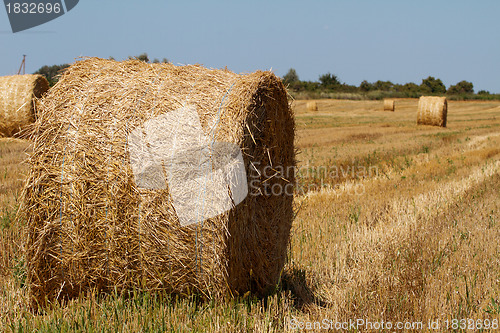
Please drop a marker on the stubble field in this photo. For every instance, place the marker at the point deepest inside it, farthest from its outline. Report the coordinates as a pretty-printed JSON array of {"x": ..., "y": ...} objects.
[{"x": 395, "y": 222}]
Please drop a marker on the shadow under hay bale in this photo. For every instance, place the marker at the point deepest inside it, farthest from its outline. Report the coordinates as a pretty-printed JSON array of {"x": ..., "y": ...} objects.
[
  {"x": 312, "y": 106},
  {"x": 91, "y": 226},
  {"x": 389, "y": 105},
  {"x": 18, "y": 94},
  {"x": 432, "y": 110}
]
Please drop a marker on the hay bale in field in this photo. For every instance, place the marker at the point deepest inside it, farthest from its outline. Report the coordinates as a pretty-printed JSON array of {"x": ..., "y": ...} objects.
[
  {"x": 389, "y": 105},
  {"x": 432, "y": 110},
  {"x": 101, "y": 218},
  {"x": 17, "y": 101},
  {"x": 312, "y": 106}
]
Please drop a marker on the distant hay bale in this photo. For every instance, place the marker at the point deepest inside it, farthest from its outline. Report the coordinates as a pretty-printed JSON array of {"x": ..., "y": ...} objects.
[
  {"x": 94, "y": 224},
  {"x": 389, "y": 105},
  {"x": 312, "y": 106},
  {"x": 17, "y": 101},
  {"x": 432, "y": 110}
]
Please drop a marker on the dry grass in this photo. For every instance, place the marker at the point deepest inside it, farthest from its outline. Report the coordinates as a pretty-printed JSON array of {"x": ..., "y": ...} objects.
[{"x": 415, "y": 241}]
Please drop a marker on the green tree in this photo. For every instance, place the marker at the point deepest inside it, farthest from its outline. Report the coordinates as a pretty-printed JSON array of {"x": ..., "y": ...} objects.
[
  {"x": 329, "y": 80},
  {"x": 366, "y": 86},
  {"x": 410, "y": 89},
  {"x": 433, "y": 86},
  {"x": 157, "y": 61},
  {"x": 304, "y": 86},
  {"x": 344, "y": 87},
  {"x": 462, "y": 87},
  {"x": 290, "y": 77},
  {"x": 142, "y": 57},
  {"x": 383, "y": 85},
  {"x": 52, "y": 73}
]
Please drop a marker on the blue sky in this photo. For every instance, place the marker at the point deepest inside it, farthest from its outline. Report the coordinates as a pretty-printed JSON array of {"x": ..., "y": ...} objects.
[{"x": 401, "y": 40}]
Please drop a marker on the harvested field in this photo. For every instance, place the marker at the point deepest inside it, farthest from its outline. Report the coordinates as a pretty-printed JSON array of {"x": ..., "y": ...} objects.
[{"x": 395, "y": 222}]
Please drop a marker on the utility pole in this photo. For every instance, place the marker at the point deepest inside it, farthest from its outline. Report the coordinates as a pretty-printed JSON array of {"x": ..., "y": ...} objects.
[{"x": 23, "y": 65}]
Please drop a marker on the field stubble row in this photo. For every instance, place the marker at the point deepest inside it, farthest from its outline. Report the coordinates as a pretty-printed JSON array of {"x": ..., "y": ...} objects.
[{"x": 417, "y": 243}]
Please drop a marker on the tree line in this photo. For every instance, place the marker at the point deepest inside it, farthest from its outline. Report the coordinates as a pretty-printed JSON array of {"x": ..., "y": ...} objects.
[{"x": 329, "y": 85}]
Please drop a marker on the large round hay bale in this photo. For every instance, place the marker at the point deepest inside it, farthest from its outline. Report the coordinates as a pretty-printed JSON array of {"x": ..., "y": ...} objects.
[
  {"x": 312, "y": 106},
  {"x": 94, "y": 223},
  {"x": 432, "y": 110},
  {"x": 17, "y": 101},
  {"x": 389, "y": 105}
]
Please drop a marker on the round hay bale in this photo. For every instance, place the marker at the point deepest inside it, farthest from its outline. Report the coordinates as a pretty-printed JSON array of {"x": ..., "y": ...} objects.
[
  {"x": 312, "y": 106},
  {"x": 17, "y": 101},
  {"x": 94, "y": 224},
  {"x": 432, "y": 110},
  {"x": 389, "y": 105}
]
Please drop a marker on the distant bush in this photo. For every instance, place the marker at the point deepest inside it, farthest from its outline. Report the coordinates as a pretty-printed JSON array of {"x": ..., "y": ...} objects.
[
  {"x": 142, "y": 57},
  {"x": 366, "y": 86},
  {"x": 329, "y": 81},
  {"x": 462, "y": 87},
  {"x": 52, "y": 73},
  {"x": 291, "y": 77},
  {"x": 432, "y": 85}
]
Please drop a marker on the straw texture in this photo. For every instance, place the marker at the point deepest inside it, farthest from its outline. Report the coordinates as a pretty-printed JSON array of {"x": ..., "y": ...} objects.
[
  {"x": 92, "y": 228},
  {"x": 389, "y": 105},
  {"x": 312, "y": 106},
  {"x": 432, "y": 110},
  {"x": 18, "y": 95}
]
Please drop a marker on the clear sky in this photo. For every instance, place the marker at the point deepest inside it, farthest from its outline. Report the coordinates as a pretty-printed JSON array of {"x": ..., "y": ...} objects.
[{"x": 400, "y": 40}]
